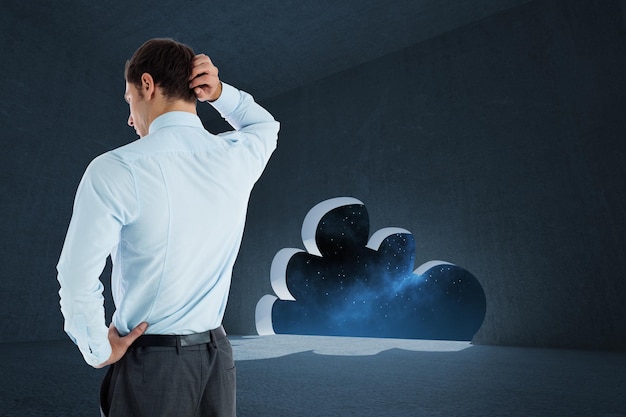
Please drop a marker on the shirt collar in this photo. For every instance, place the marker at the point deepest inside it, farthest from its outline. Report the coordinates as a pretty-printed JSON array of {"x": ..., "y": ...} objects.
[{"x": 175, "y": 118}]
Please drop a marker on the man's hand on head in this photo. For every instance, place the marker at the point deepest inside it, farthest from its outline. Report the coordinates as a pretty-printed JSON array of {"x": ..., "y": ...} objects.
[
  {"x": 120, "y": 344},
  {"x": 204, "y": 79}
]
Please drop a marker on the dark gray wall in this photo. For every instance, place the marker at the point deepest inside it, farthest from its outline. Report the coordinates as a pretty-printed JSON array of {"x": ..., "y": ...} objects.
[
  {"x": 55, "y": 117},
  {"x": 500, "y": 145}
]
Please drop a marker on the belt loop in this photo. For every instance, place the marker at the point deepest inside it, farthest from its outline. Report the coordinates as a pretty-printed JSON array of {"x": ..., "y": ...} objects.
[
  {"x": 213, "y": 341},
  {"x": 178, "y": 346}
]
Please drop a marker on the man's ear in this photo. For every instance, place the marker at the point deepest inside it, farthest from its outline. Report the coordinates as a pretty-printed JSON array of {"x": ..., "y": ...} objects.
[{"x": 147, "y": 85}]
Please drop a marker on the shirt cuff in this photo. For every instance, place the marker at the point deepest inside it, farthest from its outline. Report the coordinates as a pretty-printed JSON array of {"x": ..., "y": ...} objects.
[
  {"x": 228, "y": 101},
  {"x": 93, "y": 342},
  {"x": 98, "y": 354}
]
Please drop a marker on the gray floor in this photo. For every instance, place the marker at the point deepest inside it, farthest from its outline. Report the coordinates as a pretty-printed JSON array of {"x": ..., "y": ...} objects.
[{"x": 333, "y": 376}]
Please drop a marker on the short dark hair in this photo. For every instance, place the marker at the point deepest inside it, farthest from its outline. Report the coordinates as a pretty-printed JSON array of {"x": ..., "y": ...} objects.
[{"x": 169, "y": 64}]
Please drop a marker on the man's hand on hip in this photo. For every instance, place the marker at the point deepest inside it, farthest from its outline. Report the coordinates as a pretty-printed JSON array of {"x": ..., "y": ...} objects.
[{"x": 120, "y": 344}]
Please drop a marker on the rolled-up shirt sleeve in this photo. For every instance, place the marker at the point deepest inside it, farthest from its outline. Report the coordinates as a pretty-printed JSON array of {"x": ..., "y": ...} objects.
[{"x": 105, "y": 201}]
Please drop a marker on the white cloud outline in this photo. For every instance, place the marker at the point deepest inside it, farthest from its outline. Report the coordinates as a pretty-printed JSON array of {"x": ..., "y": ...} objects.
[
  {"x": 278, "y": 269},
  {"x": 313, "y": 217}
]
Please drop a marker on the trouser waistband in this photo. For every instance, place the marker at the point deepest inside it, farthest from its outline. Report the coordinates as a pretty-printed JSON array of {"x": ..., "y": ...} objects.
[{"x": 179, "y": 340}]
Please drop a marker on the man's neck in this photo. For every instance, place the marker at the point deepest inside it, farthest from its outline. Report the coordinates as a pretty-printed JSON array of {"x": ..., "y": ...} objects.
[{"x": 166, "y": 106}]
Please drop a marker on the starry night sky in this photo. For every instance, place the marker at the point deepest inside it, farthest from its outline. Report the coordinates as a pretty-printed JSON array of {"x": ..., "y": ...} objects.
[{"x": 355, "y": 290}]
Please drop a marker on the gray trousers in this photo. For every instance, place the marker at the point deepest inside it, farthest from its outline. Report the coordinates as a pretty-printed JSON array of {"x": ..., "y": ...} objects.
[{"x": 188, "y": 381}]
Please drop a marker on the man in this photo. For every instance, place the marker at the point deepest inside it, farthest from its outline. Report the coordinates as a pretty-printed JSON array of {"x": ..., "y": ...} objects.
[{"x": 170, "y": 210}]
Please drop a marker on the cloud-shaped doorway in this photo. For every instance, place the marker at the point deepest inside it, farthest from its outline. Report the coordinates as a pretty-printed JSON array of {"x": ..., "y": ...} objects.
[{"x": 345, "y": 284}]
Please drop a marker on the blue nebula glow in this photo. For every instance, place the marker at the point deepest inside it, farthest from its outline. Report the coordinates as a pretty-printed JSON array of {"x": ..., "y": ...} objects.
[{"x": 353, "y": 290}]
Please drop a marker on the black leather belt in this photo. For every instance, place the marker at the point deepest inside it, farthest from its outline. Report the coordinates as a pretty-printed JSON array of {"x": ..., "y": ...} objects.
[{"x": 179, "y": 340}]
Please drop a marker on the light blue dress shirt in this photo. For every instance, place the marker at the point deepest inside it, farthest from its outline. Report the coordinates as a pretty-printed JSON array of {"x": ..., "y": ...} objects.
[{"x": 170, "y": 209}]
